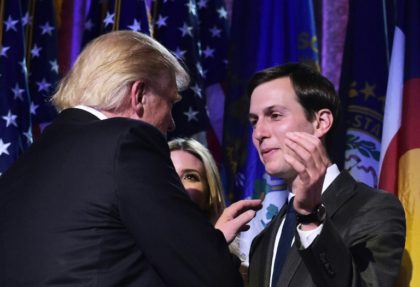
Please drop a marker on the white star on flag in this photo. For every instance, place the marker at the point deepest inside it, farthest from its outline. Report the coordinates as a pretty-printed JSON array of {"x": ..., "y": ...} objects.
[
  {"x": 4, "y": 50},
  {"x": 89, "y": 25},
  {"x": 197, "y": 90},
  {"x": 46, "y": 28},
  {"x": 22, "y": 64},
  {"x": 208, "y": 52},
  {"x": 215, "y": 32},
  {"x": 3, "y": 147},
  {"x": 43, "y": 85},
  {"x": 35, "y": 51},
  {"x": 54, "y": 66},
  {"x": 28, "y": 135},
  {"x": 33, "y": 108},
  {"x": 17, "y": 92},
  {"x": 222, "y": 13},
  {"x": 185, "y": 29},
  {"x": 26, "y": 20},
  {"x": 10, "y": 24},
  {"x": 191, "y": 114},
  {"x": 10, "y": 119},
  {"x": 179, "y": 53},
  {"x": 136, "y": 26},
  {"x": 192, "y": 8},
  {"x": 161, "y": 21},
  {"x": 109, "y": 19},
  {"x": 201, "y": 70},
  {"x": 202, "y": 4}
]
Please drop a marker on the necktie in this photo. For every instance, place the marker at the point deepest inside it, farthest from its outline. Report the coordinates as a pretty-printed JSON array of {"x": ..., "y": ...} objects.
[{"x": 285, "y": 242}]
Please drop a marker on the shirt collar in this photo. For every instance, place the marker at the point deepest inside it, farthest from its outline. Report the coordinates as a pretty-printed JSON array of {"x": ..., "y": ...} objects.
[
  {"x": 93, "y": 111},
  {"x": 331, "y": 174}
]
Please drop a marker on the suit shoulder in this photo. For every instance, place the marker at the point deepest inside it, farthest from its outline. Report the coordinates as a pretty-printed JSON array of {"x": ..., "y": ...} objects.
[
  {"x": 380, "y": 196},
  {"x": 133, "y": 128}
]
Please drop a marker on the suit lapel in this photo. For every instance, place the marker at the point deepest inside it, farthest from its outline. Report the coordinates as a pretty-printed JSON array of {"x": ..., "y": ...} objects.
[
  {"x": 339, "y": 191},
  {"x": 290, "y": 267},
  {"x": 263, "y": 245}
]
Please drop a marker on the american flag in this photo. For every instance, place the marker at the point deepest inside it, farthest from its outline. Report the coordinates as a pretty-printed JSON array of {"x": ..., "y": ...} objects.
[
  {"x": 15, "y": 124},
  {"x": 42, "y": 60},
  {"x": 195, "y": 31},
  {"x": 112, "y": 15}
]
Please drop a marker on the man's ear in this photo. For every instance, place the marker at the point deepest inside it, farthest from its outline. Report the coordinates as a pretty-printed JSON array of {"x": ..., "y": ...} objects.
[
  {"x": 137, "y": 97},
  {"x": 323, "y": 122}
]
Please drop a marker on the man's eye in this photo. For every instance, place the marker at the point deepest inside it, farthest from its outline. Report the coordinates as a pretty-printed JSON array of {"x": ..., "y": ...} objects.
[{"x": 275, "y": 116}]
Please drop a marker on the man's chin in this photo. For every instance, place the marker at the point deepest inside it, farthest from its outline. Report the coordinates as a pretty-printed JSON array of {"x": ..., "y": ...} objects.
[{"x": 284, "y": 173}]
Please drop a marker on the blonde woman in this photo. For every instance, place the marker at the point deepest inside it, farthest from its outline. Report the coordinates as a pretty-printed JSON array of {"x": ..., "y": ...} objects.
[
  {"x": 198, "y": 172},
  {"x": 199, "y": 175}
]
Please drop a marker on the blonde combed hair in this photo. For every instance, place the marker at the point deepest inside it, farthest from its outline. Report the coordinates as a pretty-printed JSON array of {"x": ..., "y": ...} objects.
[
  {"x": 107, "y": 67},
  {"x": 216, "y": 200}
]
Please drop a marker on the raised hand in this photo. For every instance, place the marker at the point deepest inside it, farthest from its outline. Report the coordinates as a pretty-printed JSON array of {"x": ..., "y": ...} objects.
[
  {"x": 308, "y": 157},
  {"x": 235, "y": 217}
]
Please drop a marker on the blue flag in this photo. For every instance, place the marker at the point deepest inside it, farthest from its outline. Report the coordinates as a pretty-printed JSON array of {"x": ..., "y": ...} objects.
[
  {"x": 15, "y": 124},
  {"x": 363, "y": 88},
  {"x": 269, "y": 33}
]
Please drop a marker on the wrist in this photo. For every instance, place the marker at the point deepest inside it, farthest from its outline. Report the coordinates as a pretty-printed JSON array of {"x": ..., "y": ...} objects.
[
  {"x": 315, "y": 218},
  {"x": 308, "y": 226}
]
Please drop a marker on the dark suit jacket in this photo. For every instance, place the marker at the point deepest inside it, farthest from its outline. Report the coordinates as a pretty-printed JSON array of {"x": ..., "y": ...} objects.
[
  {"x": 361, "y": 243},
  {"x": 98, "y": 203}
]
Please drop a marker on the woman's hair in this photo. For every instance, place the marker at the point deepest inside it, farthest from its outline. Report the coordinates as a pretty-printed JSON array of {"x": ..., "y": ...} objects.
[
  {"x": 216, "y": 201},
  {"x": 105, "y": 70}
]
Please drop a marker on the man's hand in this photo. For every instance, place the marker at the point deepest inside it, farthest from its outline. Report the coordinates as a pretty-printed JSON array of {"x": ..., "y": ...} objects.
[
  {"x": 235, "y": 217},
  {"x": 310, "y": 160}
]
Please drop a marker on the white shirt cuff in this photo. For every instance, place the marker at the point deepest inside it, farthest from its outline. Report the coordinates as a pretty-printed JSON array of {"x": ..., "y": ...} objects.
[{"x": 308, "y": 236}]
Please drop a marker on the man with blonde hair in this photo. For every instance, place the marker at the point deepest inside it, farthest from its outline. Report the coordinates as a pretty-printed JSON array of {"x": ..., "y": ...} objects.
[{"x": 96, "y": 201}]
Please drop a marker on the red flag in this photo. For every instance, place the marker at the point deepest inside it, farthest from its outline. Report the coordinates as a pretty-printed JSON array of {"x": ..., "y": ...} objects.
[{"x": 401, "y": 134}]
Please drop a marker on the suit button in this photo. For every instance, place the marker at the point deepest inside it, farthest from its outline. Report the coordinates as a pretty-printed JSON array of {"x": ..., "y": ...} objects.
[{"x": 327, "y": 266}]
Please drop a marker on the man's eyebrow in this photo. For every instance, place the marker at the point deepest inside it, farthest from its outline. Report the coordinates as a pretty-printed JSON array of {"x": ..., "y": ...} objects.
[{"x": 270, "y": 108}]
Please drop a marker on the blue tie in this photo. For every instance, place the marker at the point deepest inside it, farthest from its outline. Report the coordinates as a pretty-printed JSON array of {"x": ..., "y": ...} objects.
[{"x": 285, "y": 242}]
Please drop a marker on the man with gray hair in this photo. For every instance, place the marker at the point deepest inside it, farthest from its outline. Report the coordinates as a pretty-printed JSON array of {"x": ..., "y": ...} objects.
[{"x": 96, "y": 201}]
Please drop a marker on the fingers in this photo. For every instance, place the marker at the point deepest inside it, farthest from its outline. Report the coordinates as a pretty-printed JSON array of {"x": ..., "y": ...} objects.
[
  {"x": 307, "y": 153},
  {"x": 231, "y": 227},
  {"x": 243, "y": 211},
  {"x": 243, "y": 205},
  {"x": 244, "y": 217},
  {"x": 307, "y": 156},
  {"x": 306, "y": 145}
]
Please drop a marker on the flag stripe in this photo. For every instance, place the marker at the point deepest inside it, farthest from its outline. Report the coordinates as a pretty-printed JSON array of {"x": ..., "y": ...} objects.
[
  {"x": 392, "y": 118},
  {"x": 410, "y": 117}
]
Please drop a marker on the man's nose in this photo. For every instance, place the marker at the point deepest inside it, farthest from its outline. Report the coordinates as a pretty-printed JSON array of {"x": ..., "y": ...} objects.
[{"x": 260, "y": 131}]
